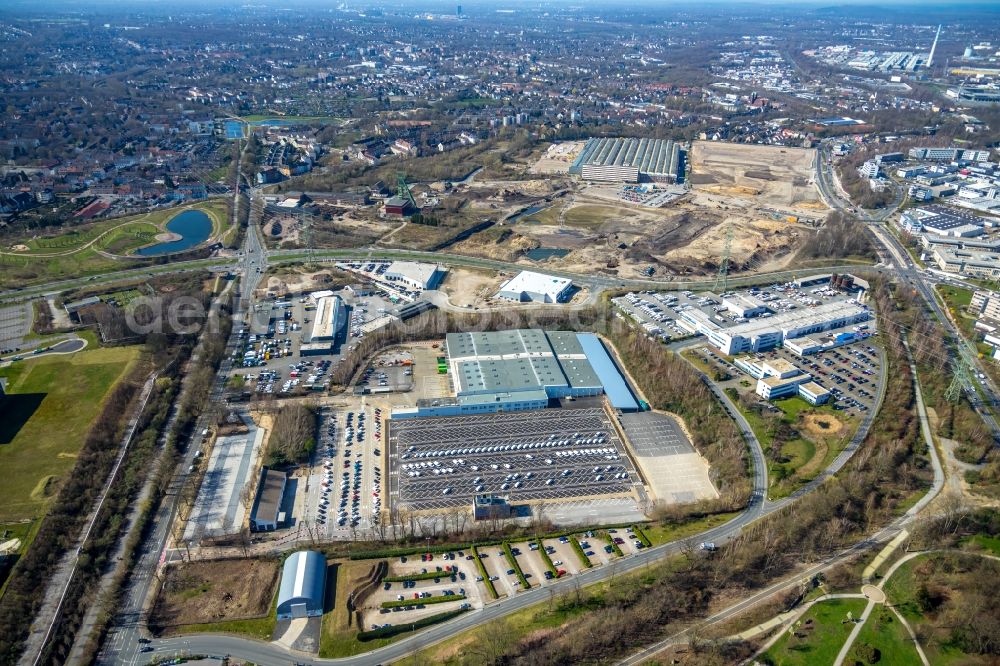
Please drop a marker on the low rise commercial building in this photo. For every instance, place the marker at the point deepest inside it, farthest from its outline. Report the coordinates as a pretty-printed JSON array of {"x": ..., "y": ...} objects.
[
  {"x": 266, "y": 514},
  {"x": 504, "y": 371},
  {"x": 967, "y": 262},
  {"x": 942, "y": 221},
  {"x": 330, "y": 319},
  {"x": 766, "y": 333},
  {"x": 303, "y": 585},
  {"x": 415, "y": 275},
  {"x": 528, "y": 286},
  {"x": 745, "y": 306},
  {"x": 778, "y": 378}
]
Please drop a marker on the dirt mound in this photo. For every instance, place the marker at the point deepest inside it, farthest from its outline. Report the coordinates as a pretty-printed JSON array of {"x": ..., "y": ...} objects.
[{"x": 821, "y": 424}]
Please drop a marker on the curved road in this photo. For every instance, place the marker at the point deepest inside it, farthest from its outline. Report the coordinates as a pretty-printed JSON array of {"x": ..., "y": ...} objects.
[
  {"x": 266, "y": 653},
  {"x": 70, "y": 346}
]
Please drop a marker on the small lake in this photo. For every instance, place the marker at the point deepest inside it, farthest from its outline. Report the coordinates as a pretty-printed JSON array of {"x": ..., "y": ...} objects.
[
  {"x": 527, "y": 212},
  {"x": 543, "y": 253},
  {"x": 193, "y": 227}
]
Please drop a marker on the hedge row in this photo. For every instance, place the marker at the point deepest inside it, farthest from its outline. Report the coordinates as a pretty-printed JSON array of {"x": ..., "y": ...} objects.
[
  {"x": 396, "y": 629},
  {"x": 423, "y": 602},
  {"x": 516, "y": 566},
  {"x": 642, "y": 536},
  {"x": 447, "y": 573},
  {"x": 485, "y": 574},
  {"x": 579, "y": 552},
  {"x": 545, "y": 557},
  {"x": 614, "y": 546},
  {"x": 455, "y": 547}
]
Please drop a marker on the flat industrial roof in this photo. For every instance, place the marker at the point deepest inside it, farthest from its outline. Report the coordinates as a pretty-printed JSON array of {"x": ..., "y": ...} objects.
[
  {"x": 793, "y": 319},
  {"x": 536, "y": 283},
  {"x": 519, "y": 360},
  {"x": 412, "y": 270},
  {"x": 269, "y": 497}
]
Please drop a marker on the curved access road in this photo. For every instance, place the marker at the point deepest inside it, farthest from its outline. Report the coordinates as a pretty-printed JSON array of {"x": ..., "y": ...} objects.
[
  {"x": 70, "y": 346},
  {"x": 884, "y": 535}
]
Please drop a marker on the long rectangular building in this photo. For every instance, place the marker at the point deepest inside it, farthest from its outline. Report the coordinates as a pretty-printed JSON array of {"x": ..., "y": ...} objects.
[
  {"x": 630, "y": 160},
  {"x": 329, "y": 319},
  {"x": 767, "y": 333}
]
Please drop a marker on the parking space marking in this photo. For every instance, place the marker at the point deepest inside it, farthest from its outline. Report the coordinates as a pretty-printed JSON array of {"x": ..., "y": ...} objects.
[{"x": 553, "y": 454}]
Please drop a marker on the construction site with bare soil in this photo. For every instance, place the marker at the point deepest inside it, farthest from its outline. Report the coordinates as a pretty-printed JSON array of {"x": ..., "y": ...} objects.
[{"x": 758, "y": 200}]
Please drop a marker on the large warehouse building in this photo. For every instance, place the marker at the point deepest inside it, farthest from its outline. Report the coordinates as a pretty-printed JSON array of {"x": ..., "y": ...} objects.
[
  {"x": 630, "y": 160},
  {"x": 502, "y": 371},
  {"x": 531, "y": 287},
  {"x": 766, "y": 333},
  {"x": 303, "y": 585}
]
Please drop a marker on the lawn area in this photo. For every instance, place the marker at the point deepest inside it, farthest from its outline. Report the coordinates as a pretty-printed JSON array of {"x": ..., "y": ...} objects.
[
  {"x": 260, "y": 628},
  {"x": 884, "y": 632},
  {"x": 50, "y": 406},
  {"x": 23, "y": 531},
  {"x": 990, "y": 544},
  {"x": 78, "y": 251},
  {"x": 957, "y": 300},
  {"x": 818, "y": 636},
  {"x": 660, "y": 534},
  {"x": 586, "y": 216},
  {"x": 339, "y": 636},
  {"x": 822, "y": 434},
  {"x": 902, "y": 591}
]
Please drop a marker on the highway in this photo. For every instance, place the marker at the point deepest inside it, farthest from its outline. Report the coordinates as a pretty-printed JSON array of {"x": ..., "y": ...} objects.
[
  {"x": 904, "y": 268},
  {"x": 122, "y": 646}
]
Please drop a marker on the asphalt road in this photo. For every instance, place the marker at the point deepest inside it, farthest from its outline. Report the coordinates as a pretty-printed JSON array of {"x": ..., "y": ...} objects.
[
  {"x": 264, "y": 653},
  {"x": 70, "y": 346},
  {"x": 904, "y": 268}
]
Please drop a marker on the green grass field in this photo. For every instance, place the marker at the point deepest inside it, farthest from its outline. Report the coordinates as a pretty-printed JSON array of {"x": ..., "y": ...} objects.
[
  {"x": 818, "y": 636},
  {"x": 884, "y": 632},
  {"x": 51, "y": 404},
  {"x": 660, "y": 534},
  {"x": 78, "y": 251},
  {"x": 901, "y": 591},
  {"x": 957, "y": 301}
]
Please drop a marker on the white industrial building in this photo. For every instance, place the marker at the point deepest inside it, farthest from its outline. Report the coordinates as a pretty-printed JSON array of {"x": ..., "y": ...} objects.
[
  {"x": 767, "y": 333},
  {"x": 777, "y": 378},
  {"x": 330, "y": 317},
  {"x": 415, "y": 275},
  {"x": 528, "y": 286},
  {"x": 303, "y": 585},
  {"x": 941, "y": 221},
  {"x": 745, "y": 306}
]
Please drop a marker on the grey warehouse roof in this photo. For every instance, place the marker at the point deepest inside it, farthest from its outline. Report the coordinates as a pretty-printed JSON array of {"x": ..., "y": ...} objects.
[{"x": 518, "y": 360}]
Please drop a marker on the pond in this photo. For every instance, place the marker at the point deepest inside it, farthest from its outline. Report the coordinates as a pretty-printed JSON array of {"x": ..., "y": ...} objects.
[
  {"x": 543, "y": 253},
  {"x": 527, "y": 212},
  {"x": 193, "y": 227}
]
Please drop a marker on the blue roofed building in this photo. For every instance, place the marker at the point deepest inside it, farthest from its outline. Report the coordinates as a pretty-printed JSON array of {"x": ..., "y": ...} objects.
[
  {"x": 303, "y": 585},
  {"x": 615, "y": 387}
]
